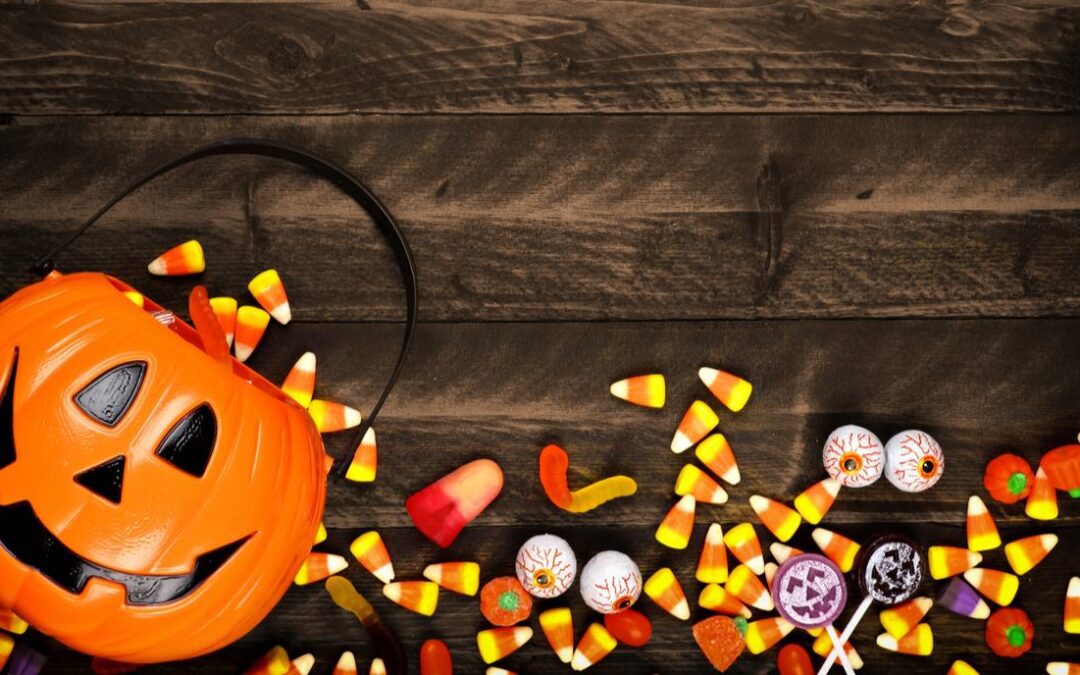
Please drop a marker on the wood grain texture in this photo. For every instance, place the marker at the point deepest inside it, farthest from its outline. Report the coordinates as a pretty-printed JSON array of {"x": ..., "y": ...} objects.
[
  {"x": 569, "y": 218},
  {"x": 527, "y": 56},
  {"x": 503, "y": 390}
]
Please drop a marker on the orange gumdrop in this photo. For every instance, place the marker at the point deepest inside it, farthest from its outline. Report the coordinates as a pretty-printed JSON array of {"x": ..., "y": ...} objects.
[
  {"x": 719, "y": 640},
  {"x": 504, "y": 601},
  {"x": 793, "y": 660},
  {"x": 629, "y": 627},
  {"x": 553, "y": 465}
]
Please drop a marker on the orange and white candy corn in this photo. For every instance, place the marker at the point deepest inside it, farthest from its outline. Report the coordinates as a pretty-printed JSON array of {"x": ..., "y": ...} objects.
[
  {"x": 300, "y": 382},
  {"x": 498, "y": 643},
  {"x": 698, "y": 421},
  {"x": 498, "y": 671},
  {"x": 1062, "y": 668},
  {"x": 269, "y": 292},
  {"x": 781, "y": 552},
  {"x": 823, "y": 646},
  {"x": 764, "y": 633},
  {"x": 836, "y": 548},
  {"x": 1072, "y": 607},
  {"x": 558, "y": 627},
  {"x": 665, "y": 590},
  {"x": 815, "y": 501},
  {"x": 1024, "y": 554},
  {"x": 251, "y": 323},
  {"x": 716, "y": 598},
  {"x": 302, "y": 665},
  {"x": 370, "y": 551},
  {"x": 961, "y": 667},
  {"x": 224, "y": 309},
  {"x": 459, "y": 577},
  {"x": 746, "y": 587},
  {"x": 715, "y": 453},
  {"x": 11, "y": 622},
  {"x": 712, "y": 565},
  {"x": 330, "y": 417},
  {"x": 187, "y": 258},
  {"x": 1042, "y": 502},
  {"x": 919, "y": 642},
  {"x": 781, "y": 521},
  {"x": 677, "y": 525},
  {"x": 377, "y": 667},
  {"x": 770, "y": 572},
  {"x": 982, "y": 533},
  {"x": 365, "y": 461},
  {"x": 898, "y": 621},
  {"x": 996, "y": 586},
  {"x": 595, "y": 644},
  {"x": 421, "y": 597},
  {"x": 274, "y": 662},
  {"x": 319, "y": 566},
  {"x": 729, "y": 389},
  {"x": 346, "y": 665},
  {"x": 647, "y": 391},
  {"x": 743, "y": 543},
  {"x": 700, "y": 485},
  {"x": 948, "y": 561},
  {"x": 320, "y": 534}
]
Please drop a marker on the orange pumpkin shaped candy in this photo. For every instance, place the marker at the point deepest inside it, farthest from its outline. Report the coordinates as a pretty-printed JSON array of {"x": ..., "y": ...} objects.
[
  {"x": 1062, "y": 466},
  {"x": 1008, "y": 478},
  {"x": 1009, "y": 632}
]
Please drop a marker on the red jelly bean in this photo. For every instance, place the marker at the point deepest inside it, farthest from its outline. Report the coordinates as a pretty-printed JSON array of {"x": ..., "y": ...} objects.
[
  {"x": 793, "y": 660},
  {"x": 435, "y": 658},
  {"x": 629, "y": 627}
]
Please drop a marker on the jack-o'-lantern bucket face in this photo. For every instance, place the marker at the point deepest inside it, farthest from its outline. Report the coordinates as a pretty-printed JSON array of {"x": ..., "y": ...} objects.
[{"x": 155, "y": 503}]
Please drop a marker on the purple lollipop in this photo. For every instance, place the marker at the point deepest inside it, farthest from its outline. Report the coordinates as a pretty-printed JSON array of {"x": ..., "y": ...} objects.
[{"x": 809, "y": 591}]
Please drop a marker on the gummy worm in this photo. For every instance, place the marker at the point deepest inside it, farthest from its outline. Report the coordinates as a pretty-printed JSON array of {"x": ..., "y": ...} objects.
[{"x": 554, "y": 463}]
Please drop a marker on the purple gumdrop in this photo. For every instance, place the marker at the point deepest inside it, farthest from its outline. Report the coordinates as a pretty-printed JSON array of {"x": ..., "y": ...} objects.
[{"x": 961, "y": 598}]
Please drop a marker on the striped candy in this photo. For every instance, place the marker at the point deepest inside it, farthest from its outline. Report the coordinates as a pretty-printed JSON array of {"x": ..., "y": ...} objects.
[
  {"x": 982, "y": 533},
  {"x": 898, "y": 621},
  {"x": 302, "y": 665},
  {"x": 300, "y": 382},
  {"x": 764, "y": 633},
  {"x": 558, "y": 627},
  {"x": 645, "y": 390},
  {"x": 186, "y": 258},
  {"x": 731, "y": 390},
  {"x": 948, "y": 561},
  {"x": 594, "y": 646},
  {"x": 1042, "y": 502},
  {"x": 330, "y": 417},
  {"x": 698, "y": 421},
  {"x": 962, "y": 599},
  {"x": 498, "y": 643},
  {"x": 365, "y": 460},
  {"x": 836, "y": 548},
  {"x": 781, "y": 552},
  {"x": 746, "y": 587},
  {"x": 665, "y": 591},
  {"x": 743, "y": 543},
  {"x": 421, "y": 597},
  {"x": 319, "y": 566},
  {"x": 1072, "y": 606},
  {"x": 715, "y": 453},
  {"x": 712, "y": 566},
  {"x": 251, "y": 323},
  {"x": 699, "y": 485},
  {"x": 274, "y": 662},
  {"x": 459, "y": 577},
  {"x": 269, "y": 292},
  {"x": 346, "y": 664},
  {"x": 1024, "y": 554},
  {"x": 370, "y": 551},
  {"x": 823, "y": 646},
  {"x": 675, "y": 529},
  {"x": 919, "y": 642},
  {"x": 377, "y": 667},
  {"x": 225, "y": 310},
  {"x": 961, "y": 667},
  {"x": 778, "y": 518},
  {"x": 1062, "y": 668},
  {"x": 996, "y": 586},
  {"x": 715, "y": 598},
  {"x": 815, "y": 501}
]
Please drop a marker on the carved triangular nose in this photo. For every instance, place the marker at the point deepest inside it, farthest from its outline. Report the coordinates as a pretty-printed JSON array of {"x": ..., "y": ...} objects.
[{"x": 105, "y": 480}]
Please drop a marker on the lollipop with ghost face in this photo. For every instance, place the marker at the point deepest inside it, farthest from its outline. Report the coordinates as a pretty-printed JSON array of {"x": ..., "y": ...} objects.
[
  {"x": 854, "y": 456},
  {"x": 610, "y": 582},
  {"x": 914, "y": 461},
  {"x": 546, "y": 566}
]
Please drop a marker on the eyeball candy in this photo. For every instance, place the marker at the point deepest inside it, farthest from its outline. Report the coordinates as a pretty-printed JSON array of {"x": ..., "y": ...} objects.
[
  {"x": 854, "y": 456},
  {"x": 890, "y": 569},
  {"x": 610, "y": 582},
  {"x": 809, "y": 591},
  {"x": 913, "y": 461},
  {"x": 546, "y": 566}
]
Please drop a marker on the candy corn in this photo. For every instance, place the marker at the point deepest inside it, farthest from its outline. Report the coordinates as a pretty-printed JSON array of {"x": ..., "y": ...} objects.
[
  {"x": 960, "y": 667},
  {"x": 498, "y": 643},
  {"x": 764, "y": 633},
  {"x": 10, "y": 622},
  {"x": 300, "y": 382},
  {"x": 781, "y": 521},
  {"x": 836, "y": 548},
  {"x": 498, "y": 671},
  {"x": 1024, "y": 554},
  {"x": 319, "y": 566},
  {"x": 1062, "y": 668},
  {"x": 732, "y": 391},
  {"x": 743, "y": 543},
  {"x": 645, "y": 390},
  {"x": 998, "y": 587},
  {"x": 330, "y": 417},
  {"x": 136, "y": 298},
  {"x": 823, "y": 646},
  {"x": 712, "y": 565},
  {"x": 1072, "y": 606},
  {"x": 699, "y": 485},
  {"x": 677, "y": 525},
  {"x": 435, "y": 658},
  {"x": 377, "y": 667},
  {"x": 269, "y": 292},
  {"x": 664, "y": 589},
  {"x": 459, "y": 577},
  {"x": 716, "y": 599},
  {"x": 746, "y": 587},
  {"x": 770, "y": 572},
  {"x": 962, "y": 599},
  {"x": 781, "y": 552},
  {"x": 815, "y": 501},
  {"x": 320, "y": 534},
  {"x": 251, "y": 324},
  {"x": 948, "y": 561},
  {"x": 225, "y": 311},
  {"x": 187, "y": 258},
  {"x": 715, "y": 453},
  {"x": 898, "y": 621},
  {"x": 302, "y": 665},
  {"x": 982, "y": 533},
  {"x": 274, "y": 662},
  {"x": 698, "y": 421},
  {"x": 365, "y": 460},
  {"x": 919, "y": 642},
  {"x": 558, "y": 627},
  {"x": 594, "y": 646},
  {"x": 421, "y": 597},
  {"x": 446, "y": 506},
  {"x": 1042, "y": 502},
  {"x": 370, "y": 551},
  {"x": 346, "y": 665}
]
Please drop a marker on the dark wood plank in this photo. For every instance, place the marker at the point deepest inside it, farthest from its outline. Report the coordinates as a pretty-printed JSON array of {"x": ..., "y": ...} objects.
[
  {"x": 503, "y": 390},
  {"x": 565, "y": 218},
  {"x": 527, "y": 56}
]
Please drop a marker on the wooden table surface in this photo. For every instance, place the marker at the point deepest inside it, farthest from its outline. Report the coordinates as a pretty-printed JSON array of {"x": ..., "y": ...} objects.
[{"x": 869, "y": 209}]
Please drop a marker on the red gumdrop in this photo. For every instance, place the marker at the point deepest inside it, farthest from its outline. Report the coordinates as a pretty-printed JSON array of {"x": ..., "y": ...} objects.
[
  {"x": 629, "y": 627},
  {"x": 793, "y": 660}
]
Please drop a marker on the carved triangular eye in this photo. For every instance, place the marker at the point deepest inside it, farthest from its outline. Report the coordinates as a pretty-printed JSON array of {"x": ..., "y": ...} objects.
[
  {"x": 190, "y": 443},
  {"x": 105, "y": 480},
  {"x": 108, "y": 398}
]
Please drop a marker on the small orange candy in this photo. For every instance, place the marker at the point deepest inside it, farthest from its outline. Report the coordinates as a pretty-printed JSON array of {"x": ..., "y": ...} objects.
[
  {"x": 629, "y": 627},
  {"x": 793, "y": 660},
  {"x": 720, "y": 641},
  {"x": 504, "y": 601}
]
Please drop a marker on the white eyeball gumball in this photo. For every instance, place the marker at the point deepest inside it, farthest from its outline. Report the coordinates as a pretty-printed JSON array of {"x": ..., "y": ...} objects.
[
  {"x": 914, "y": 461},
  {"x": 546, "y": 566},
  {"x": 610, "y": 582},
  {"x": 854, "y": 456}
]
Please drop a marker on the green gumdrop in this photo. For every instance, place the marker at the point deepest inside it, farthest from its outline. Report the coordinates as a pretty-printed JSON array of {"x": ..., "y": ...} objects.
[
  {"x": 1017, "y": 483},
  {"x": 1016, "y": 636},
  {"x": 509, "y": 601},
  {"x": 741, "y": 623}
]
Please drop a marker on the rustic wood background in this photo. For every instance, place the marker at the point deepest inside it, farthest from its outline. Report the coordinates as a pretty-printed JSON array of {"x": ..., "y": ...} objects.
[{"x": 869, "y": 208}]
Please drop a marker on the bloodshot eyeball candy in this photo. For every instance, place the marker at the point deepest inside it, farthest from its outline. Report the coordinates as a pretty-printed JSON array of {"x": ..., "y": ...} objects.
[
  {"x": 854, "y": 456},
  {"x": 546, "y": 566},
  {"x": 610, "y": 582},
  {"x": 914, "y": 461}
]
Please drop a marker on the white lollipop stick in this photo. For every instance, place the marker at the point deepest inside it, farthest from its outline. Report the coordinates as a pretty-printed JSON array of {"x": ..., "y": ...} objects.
[
  {"x": 848, "y": 670},
  {"x": 838, "y": 645}
]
